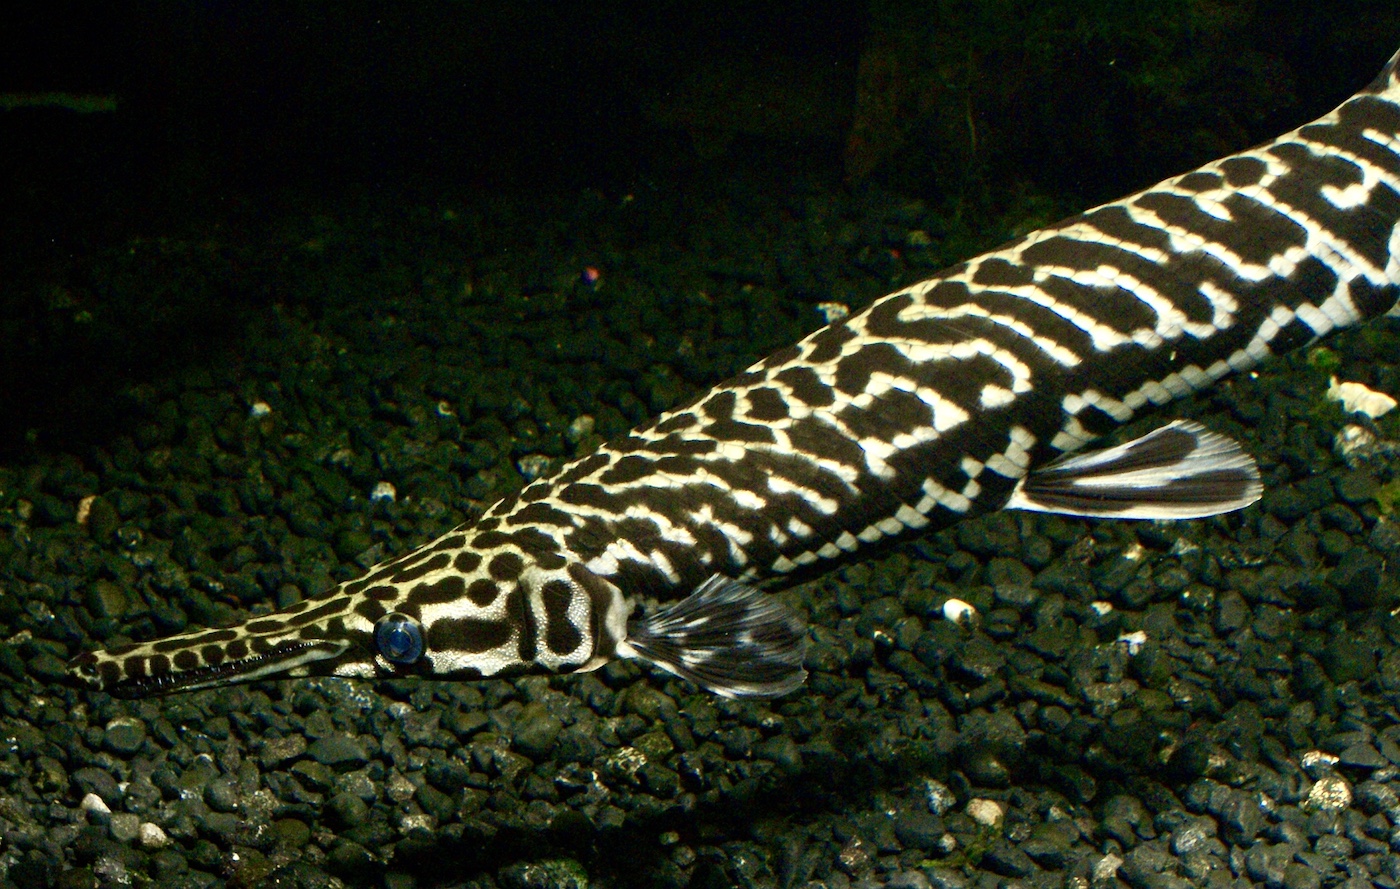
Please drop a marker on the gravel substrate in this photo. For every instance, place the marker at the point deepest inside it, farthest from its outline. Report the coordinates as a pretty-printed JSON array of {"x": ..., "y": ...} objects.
[{"x": 1213, "y": 703}]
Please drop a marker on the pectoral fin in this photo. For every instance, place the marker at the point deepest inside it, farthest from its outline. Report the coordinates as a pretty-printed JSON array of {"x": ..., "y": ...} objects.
[{"x": 1180, "y": 471}]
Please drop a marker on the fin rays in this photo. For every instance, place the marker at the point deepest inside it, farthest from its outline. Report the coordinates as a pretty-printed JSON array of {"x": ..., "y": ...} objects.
[
  {"x": 726, "y": 637},
  {"x": 1180, "y": 471}
]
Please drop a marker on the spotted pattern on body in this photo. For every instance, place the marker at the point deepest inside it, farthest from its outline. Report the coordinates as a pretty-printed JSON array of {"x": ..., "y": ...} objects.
[{"x": 929, "y": 406}]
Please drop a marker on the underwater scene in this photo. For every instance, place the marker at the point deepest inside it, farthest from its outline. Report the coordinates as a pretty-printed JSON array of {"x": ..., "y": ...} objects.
[{"x": 385, "y": 499}]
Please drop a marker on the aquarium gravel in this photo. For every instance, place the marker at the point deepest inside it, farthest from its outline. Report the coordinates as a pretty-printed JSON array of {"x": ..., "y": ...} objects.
[{"x": 1209, "y": 703}]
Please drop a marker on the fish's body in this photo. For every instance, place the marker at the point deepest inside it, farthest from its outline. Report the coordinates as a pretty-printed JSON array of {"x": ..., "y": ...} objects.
[{"x": 949, "y": 398}]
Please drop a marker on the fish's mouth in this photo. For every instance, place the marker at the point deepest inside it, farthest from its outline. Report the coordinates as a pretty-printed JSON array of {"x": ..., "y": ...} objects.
[{"x": 137, "y": 672}]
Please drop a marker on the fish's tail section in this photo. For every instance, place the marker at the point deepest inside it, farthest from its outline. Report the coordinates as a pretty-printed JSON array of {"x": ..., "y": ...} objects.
[{"x": 726, "y": 637}]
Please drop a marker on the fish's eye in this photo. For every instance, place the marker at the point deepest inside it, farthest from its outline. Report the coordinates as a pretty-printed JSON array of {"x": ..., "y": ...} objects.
[{"x": 399, "y": 638}]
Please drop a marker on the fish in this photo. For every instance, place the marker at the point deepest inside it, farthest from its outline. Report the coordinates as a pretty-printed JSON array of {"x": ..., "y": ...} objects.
[{"x": 975, "y": 390}]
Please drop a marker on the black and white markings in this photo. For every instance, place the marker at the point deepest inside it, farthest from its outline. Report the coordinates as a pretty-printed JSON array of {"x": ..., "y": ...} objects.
[
  {"x": 945, "y": 399},
  {"x": 1180, "y": 471},
  {"x": 726, "y": 637}
]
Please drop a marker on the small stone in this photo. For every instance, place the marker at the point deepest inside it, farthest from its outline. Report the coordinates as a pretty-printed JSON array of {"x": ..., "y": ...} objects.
[
  {"x": 340, "y": 752},
  {"x": 94, "y": 780},
  {"x": 959, "y": 612},
  {"x": 939, "y": 797},
  {"x": 535, "y": 730},
  {"x": 1006, "y": 860},
  {"x": 435, "y": 802},
  {"x": 1050, "y": 843},
  {"x": 1149, "y": 866},
  {"x": 1191, "y": 836},
  {"x": 986, "y": 812},
  {"x": 313, "y": 774},
  {"x": 277, "y": 752},
  {"x": 124, "y": 827},
  {"x": 1105, "y": 870},
  {"x": 347, "y": 810},
  {"x": 1362, "y": 755},
  {"x": 1376, "y": 798},
  {"x": 1331, "y": 793},
  {"x": 854, "y": 857},
  {"x": 918, "y": 830},
  {"x": 561, "y": 873},
  {"x": 124, "y": 735},
  {"x": 150, "y": 836},
  {"x": 1318, "y": 763},
  {"x": 221, "y": 794},
  {"x": 1297, "y": 876},
  {"x": 97, "y": 810}
]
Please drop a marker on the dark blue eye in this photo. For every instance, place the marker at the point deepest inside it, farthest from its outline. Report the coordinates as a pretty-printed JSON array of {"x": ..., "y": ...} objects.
[{"x": 399, "y": 638}]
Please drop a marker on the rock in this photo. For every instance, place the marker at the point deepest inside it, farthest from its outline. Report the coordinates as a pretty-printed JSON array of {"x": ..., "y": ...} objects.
[
  {"x": 124, "y": 827},
  {"x": 277, "y": 752},
  {"x": 1298, "y": 876},
  {"x": 94, "y": 780},
  {"x": 1331, "y": 793},
  {"x": 221, "y": 794},
  {"x": 535, "y": 730},
  {"x": 939, "y": 797},
  {"x": 1362, "y": 755},
  {"x": 918, "y": 830},
  {"x": 347, "y": 810},
  {"x": 340, "y": 752},
  {"x": 549, "y": 874},
  {"x": 986, "y": 812},
  {"x": 151, "y": 837},
  {"x": 1006, "y": 860}
]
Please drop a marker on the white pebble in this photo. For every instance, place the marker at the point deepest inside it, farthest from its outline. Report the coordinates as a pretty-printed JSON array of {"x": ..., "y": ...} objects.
[
  {"x": 582, "y": 425},
  {"x": 1356, "y": 398},
  {"x": 151, "y": 836},
  {"x": 95, "y": 806},
  {"x": 1318, "y": 763},
  {"x": 959, "y": 612},
  {"x": 986, "y": 812},
  {"x": 1106, "y": 868},
  {"x": 259, "y": 409},
  {"x": 417, "y": 821},
  {"x": 833, "y": 312},
  {"x": 939, "y": 797},
  {"x": 85, "y": 509},
  {"x": 384, "y": 491},
  {"x": 1330, "y": 794},
  {"x": 532, "y": 466},
  {"x": 1134, "y": 641},
  {"x": 1101, "y": 608}
]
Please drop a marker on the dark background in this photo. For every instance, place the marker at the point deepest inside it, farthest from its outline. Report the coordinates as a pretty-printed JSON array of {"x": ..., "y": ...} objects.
[{"x": 233, "y": 116}]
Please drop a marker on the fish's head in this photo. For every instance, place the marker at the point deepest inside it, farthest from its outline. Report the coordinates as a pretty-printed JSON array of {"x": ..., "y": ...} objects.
[{"x": 433, "y": 613}]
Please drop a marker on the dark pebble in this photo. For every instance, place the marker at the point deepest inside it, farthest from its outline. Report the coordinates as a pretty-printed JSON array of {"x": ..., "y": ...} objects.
[
  {"x": 1050, "y": 843},
  {"x": 535, "y": 730},
  {"x": 1007, "y": 860},
  {"x": 98, "y": 781},
  {"x": 340, "y": 752},
  {"x": 221, "y": 794},
  {"x": 1297, "y": 876},
  {"x": 1362, "y": 755},
  {"x": 435, "y": 802},
  {"x": 564, "y": 873},
  {"x": 347, "y": 810},
  {"x": 277, "y": 752},
  {"x": 919, "y": 830},
  {"x": 124, "y": 736}
]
